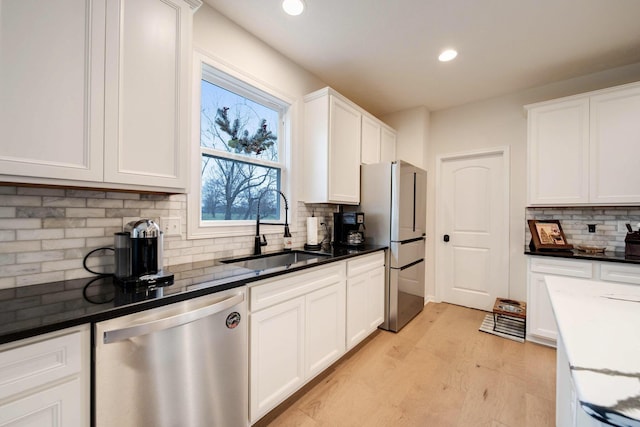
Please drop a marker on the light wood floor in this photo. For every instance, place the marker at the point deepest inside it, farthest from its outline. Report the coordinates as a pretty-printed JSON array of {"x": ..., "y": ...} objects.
[{"x": 438, "y": 371}]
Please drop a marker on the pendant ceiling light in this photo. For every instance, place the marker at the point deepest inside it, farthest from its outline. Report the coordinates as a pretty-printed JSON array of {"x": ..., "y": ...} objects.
[{"x": 293, "y": 7}]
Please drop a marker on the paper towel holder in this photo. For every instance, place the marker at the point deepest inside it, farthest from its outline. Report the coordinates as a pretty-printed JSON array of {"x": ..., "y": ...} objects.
[{"x": 312, "y": 246}]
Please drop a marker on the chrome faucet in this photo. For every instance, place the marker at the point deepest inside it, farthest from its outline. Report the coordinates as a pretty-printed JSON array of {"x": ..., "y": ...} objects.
[{"x": 258, "y": 244}]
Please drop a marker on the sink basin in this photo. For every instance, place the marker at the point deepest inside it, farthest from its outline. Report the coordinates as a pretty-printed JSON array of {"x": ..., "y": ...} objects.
[{"x": 278, "y": 259}]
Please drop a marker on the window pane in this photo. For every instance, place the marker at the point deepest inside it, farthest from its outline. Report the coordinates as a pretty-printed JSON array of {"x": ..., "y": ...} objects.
[
  {"x": 233, "y": 123},
  {"x": 230, "y": 190}
]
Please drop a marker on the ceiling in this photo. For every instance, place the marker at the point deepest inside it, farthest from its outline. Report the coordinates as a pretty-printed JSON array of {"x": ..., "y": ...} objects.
[{"x": 382, "y": 54}]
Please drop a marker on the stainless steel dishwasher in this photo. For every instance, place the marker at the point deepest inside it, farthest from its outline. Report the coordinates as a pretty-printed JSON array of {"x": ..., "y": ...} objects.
[{"x": 180, "y": 365}]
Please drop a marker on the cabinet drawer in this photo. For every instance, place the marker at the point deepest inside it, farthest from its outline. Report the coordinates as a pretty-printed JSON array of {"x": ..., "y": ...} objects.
[
  {"x": 623, "y": 273},
  {"x": 562, "y": 267},
  {"x": 38, "y": 363},
  {"x": 268, "y": 292},
  {"x": 364, "y": 263}
]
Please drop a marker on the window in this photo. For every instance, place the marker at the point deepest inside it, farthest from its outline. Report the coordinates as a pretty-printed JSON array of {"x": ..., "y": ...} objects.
[{"x": 242, "y": 156}]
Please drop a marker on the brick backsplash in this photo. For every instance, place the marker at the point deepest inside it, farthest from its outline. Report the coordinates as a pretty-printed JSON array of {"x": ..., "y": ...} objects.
[
  {"x": 574, "y": 222},
  {"x": 45, "y": 232}
]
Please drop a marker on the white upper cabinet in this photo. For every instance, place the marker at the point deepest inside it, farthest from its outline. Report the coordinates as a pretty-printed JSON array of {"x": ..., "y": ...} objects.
[
  {"x": 615, "y": 147},
  {"x": 331, "y": 149},
  {"x": 371, "y": 141},
  {"x": 147, "y": 55},
  {"x": 387, "y": 145},
  {"x": 378, "y": 142},
  {"x": 582, "y": 150},
  {"x": 558, "y": 153},
  {"x": 338, "y": 137},
  {"x": 94, "y": 93},
  {"x": 52, "y": 88}
]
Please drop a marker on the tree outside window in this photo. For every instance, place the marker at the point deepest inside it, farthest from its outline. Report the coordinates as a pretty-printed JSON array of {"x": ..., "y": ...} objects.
[{"x": 240, "y": 145}]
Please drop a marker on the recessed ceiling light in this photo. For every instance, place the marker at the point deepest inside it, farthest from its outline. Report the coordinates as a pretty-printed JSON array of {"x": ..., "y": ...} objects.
[
  {"x": 293, "y": 7},
  {"x": 447, "y": 55}
]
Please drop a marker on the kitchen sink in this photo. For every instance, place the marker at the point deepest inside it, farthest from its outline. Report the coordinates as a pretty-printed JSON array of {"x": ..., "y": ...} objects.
[{"x": 278, "y": 259}]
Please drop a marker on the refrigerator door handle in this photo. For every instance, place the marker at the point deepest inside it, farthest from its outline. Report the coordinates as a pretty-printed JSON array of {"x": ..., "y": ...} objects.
[
  {"x": 414, "y": 201},
  {"x": 415, "y": 239},
  {"x": 170, "y": 322},
  {"x": 404, "y": 267}
]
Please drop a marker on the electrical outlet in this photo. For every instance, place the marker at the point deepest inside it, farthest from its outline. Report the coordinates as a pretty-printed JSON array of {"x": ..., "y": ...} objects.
[{"x": 170, "y": 226}]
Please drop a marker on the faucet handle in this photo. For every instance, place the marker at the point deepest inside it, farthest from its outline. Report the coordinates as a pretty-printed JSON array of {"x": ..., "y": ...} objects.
[{"x": 264, "y": 241}]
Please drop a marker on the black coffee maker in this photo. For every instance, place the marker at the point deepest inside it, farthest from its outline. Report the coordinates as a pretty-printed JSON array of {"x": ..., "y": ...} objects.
[
  {"x": 138, "y": 255},
  {"x": 348, "y": 229}
]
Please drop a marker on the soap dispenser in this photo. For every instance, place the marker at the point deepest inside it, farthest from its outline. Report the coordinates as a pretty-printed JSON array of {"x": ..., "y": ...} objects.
[{"x": 288, "y": 240}]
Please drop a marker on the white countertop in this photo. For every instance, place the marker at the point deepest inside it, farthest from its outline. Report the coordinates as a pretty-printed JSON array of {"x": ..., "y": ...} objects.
[{"x": 600, "y": 327}]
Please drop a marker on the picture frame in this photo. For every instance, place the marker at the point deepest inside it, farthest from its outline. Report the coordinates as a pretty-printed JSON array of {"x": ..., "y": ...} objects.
[{"x": 547, "y": 235}]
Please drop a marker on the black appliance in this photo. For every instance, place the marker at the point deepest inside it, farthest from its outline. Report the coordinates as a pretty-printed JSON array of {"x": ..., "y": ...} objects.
[
  {"x": 348, "y": 229},
  {"x": 138, "y": 255}
]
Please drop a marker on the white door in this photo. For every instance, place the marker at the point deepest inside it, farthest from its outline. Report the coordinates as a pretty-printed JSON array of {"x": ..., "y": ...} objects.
[{"x": 472, "y": 224}]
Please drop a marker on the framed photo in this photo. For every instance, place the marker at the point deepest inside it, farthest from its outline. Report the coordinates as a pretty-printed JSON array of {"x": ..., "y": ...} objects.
[{"x": 547, "y": 235}]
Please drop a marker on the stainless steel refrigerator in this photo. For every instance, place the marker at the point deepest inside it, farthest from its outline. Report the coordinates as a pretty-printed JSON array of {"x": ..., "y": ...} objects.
[{"x": 393, "y": 198}]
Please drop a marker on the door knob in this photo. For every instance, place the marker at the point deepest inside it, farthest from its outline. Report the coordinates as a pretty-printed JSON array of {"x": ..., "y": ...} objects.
[{"x": 446, "y": 238}]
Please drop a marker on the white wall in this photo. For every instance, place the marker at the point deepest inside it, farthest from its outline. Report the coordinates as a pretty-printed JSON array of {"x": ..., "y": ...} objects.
[
  {"x": 412, "y": 128},
  {"x": 498, "y": 122},
  {"x": 219, "y": 38}
]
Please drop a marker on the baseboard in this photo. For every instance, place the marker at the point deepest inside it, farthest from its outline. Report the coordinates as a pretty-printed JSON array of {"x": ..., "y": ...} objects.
[
  {"x": 429, "y": 298},
  {"x": 542, "y": 341}
]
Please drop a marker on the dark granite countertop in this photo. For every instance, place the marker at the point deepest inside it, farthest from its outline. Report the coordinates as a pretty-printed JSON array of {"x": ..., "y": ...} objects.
[
  {"x": 37, "y": 309},
  {"x": 576, "y": 254}
]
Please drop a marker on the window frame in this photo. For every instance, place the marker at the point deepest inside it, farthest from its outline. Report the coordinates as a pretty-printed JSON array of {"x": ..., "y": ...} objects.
[{"x": 247, "y": 86}]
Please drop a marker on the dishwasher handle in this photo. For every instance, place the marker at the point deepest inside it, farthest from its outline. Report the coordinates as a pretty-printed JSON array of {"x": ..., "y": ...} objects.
[{"x": 171, "y": 321}]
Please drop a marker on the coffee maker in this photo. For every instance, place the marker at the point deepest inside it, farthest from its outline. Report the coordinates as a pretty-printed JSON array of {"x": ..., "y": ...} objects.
[
  {"x": 138, "y": 255},
  {"x": 348, "y": 229}
]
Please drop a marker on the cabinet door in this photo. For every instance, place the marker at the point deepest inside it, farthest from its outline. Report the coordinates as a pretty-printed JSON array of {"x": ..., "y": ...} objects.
[
  {"x": 364, "y": 302},
  {"x": 357, "y": 310},
  {"x": 276, "y": 355},
  {"x": 615, "y": 147},
  {"x": 344, "y": 153},
  {"x": 387, "y": 145},
  {"x": 146, "y": 86},
  {"x": 540, "y": 319},
  {"x": 51, "y": 86},
  {"x": 55, "y": 406},
  {"x": 370, "y": 150},
  {"x": 376, "y": 297},
  {"x": 325, "y": 328},
  {"x": 558, "y": 153}
]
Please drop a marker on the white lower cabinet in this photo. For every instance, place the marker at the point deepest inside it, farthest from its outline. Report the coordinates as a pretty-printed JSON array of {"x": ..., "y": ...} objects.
[
  {"x": 276, "y": 354},
  {"x": 325, "y": 328},
  {"x": 365, "y": 297},
  {"x": 297, "y": 329},
  {"x": 541, "y": 323},
  {"x": 44, "y": 381},
  {"x": 569, "y": 413}
]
